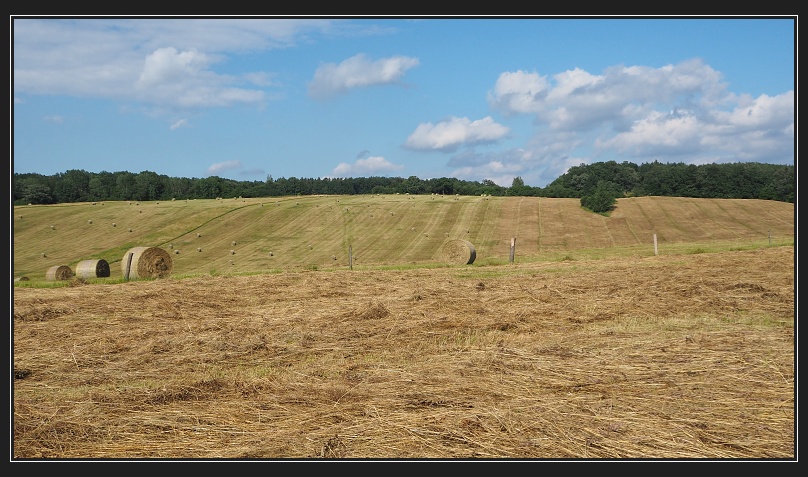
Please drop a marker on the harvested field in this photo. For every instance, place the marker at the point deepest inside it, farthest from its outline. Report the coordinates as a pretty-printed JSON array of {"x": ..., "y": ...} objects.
[{"x": 645, "y": 357}]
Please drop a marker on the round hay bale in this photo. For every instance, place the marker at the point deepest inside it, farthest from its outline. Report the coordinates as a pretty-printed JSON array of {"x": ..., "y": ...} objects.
[
  {"x": 147, "y": 262},
  {"x": 92, "y": 268},
  {"x": 459, "y": 252},
  {"x": 21, "y": 279},
  {"x": 59, "y": 272}
]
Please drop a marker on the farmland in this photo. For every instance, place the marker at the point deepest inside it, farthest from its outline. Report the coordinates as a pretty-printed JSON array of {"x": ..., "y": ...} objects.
[
  {"x": 232, "y": 236},
  {"x": 590, "y": 345}
]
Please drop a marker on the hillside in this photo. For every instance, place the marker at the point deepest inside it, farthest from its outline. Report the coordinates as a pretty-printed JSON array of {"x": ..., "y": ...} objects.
[{"x": 263, "y": 235}]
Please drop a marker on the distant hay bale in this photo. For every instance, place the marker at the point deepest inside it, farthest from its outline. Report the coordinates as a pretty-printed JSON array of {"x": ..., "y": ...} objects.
[
  {"x": 21, "y": 279},
  {"x": 59, "y": 272},
  {"x": 147, "y": 262},
  {"x": 459, "y": 252},
  {"x": 92, "y": 268}
]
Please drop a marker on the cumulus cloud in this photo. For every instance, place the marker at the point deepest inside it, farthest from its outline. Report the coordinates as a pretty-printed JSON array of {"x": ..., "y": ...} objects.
[
  {"x": 220, "y": 167},
  {"x": 183, "y": 78},
  {"x": 682, "y": 112},
  {"x": 358, "y": 71},
  {"x": 162, "y": 64},
  {"x": 455, "y": 132},
  {"x": 371, "y": 166},
  {"x": 578, "y": 100}
]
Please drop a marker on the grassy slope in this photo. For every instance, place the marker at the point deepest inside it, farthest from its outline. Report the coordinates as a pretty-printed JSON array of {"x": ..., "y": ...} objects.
[{"x": 263, "y": 235}]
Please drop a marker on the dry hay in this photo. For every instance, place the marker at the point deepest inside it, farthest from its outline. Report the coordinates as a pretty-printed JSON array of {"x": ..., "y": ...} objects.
[
  {"x": 670, "y": 357},
  {"x": 459, "y": 252},
  {"x": 92, "y": 268},
  {"x": 147, "y": 262},
  {"x": 59, "y": 272},
  {"x": 21, "y": 279}
]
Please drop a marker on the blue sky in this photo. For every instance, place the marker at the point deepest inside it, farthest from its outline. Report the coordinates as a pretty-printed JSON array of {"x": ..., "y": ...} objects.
[{"x": 466, "y": 98}]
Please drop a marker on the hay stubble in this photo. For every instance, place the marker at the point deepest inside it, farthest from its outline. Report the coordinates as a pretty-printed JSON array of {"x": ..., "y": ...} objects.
[{"x": 659, "y": 357}]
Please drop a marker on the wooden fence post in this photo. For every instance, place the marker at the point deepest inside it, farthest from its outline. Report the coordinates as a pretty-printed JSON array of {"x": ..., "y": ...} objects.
[{"x": 513, "y": 249}]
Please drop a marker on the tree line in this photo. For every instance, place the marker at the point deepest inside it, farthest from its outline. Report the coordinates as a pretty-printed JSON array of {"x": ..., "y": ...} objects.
[{"x": 597, "y": 185}]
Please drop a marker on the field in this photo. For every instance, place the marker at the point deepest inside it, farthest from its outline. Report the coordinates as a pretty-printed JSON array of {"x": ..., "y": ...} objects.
[
  {"x": 240, "y": 236},
  {"x": 588, "y": 346}
]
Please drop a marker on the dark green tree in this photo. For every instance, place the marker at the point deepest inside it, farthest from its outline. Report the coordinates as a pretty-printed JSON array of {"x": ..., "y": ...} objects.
[
  {"x": 36, "y": 193},
  {"x": 603, "y": 198}
]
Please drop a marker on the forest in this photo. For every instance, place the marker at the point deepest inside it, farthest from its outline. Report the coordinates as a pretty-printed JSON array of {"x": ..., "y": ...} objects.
[{"x": 741, "y": 180}]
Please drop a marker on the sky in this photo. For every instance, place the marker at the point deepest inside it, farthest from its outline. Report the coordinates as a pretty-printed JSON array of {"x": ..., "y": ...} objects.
[{"x": 470, "y": 98}]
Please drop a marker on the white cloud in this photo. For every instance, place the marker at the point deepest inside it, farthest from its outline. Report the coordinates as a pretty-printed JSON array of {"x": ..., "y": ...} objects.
[
  {"x": 218, "y": 168},
  {"x": 750, "y": 131},
  {"x": 179, "y": 124},
  {"x": 372, "y": 166},
  {"x": 455, "y": 132},
  {"x": 518, "y": 92},
  {"x": 680, "y": 112},
  {"x": 164, "y": 64},
  {"x": 578, "y": 100},
  {"x": 182, "y": 78},
  {"x": 356, "y": 72}
]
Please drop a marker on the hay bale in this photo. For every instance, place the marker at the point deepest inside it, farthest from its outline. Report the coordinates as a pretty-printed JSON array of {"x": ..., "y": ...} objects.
[
  {"x": 92, "y": 268},
  {"x": 21, "y": 279},
  {"x": 147, "y": 262},
  {"x": 460, "y": 252},
  {"x": 59, "y": 272}
]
